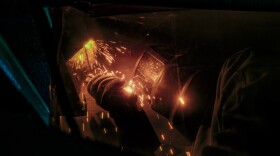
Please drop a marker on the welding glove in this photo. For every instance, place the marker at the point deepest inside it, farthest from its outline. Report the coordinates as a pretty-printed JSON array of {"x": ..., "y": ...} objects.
[
  {"x": 109, "y": 94},
  {"x": 135, "y": 128}
]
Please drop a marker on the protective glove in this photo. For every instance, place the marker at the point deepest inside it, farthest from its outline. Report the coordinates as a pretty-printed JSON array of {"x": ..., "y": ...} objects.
[
  {"x": 135, "y": 128},
  {"x": 109, "y": 93}
]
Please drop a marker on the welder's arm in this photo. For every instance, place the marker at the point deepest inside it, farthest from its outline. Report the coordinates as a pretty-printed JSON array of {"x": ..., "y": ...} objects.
[
  {"x": 109, "y": 94},
  {"x": 135, "y": 128}
]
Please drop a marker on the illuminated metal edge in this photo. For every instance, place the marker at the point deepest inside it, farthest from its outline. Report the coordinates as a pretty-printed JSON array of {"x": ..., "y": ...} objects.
[{"x": 14, "y": 71}]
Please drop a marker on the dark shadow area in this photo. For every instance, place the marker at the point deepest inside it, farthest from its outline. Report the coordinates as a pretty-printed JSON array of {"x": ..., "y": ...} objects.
[{"x": 23, "y": 132}]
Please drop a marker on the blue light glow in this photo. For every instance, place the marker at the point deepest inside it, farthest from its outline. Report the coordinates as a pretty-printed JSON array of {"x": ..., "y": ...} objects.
[
  {"x": 8, "y": 73},
  {"x": 14, "y": 71},
  {"x": 47, "y": 13}
]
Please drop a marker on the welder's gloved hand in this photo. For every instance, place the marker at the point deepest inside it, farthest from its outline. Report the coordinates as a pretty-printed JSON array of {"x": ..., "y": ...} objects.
[
  {"x": 109, "y": 93},
  {"x": 136, "y": 131}
]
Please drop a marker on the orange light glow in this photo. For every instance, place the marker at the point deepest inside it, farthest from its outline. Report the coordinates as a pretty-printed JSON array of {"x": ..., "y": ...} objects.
[
  {"x": 171, "y": 151},
  {"x": 141, "y": 97},
  {"x": 162, "y": 137},
  {"x": 160, "y": 148},
  {"x": 182, "y": 101},
  {"x": 86, "y": 57},
  {"x": 188, "y": 153},
  {"x": 171, "y": 127},
  {"x": 105, "y": 131},
  {"x": 128, "y": 89}
]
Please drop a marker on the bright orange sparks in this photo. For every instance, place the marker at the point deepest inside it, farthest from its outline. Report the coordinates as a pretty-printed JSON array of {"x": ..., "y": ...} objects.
[
  {"x": 181, "y": 100},
  {"x": 171, "y": 127},
  {"x": 171, "y": 151},
  {"x": 128, "y": 89},
  {"x": 162, "y": 137}
]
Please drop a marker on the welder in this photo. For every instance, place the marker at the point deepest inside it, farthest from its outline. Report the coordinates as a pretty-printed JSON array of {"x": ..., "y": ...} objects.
[{"x": 235, "y": 116}]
